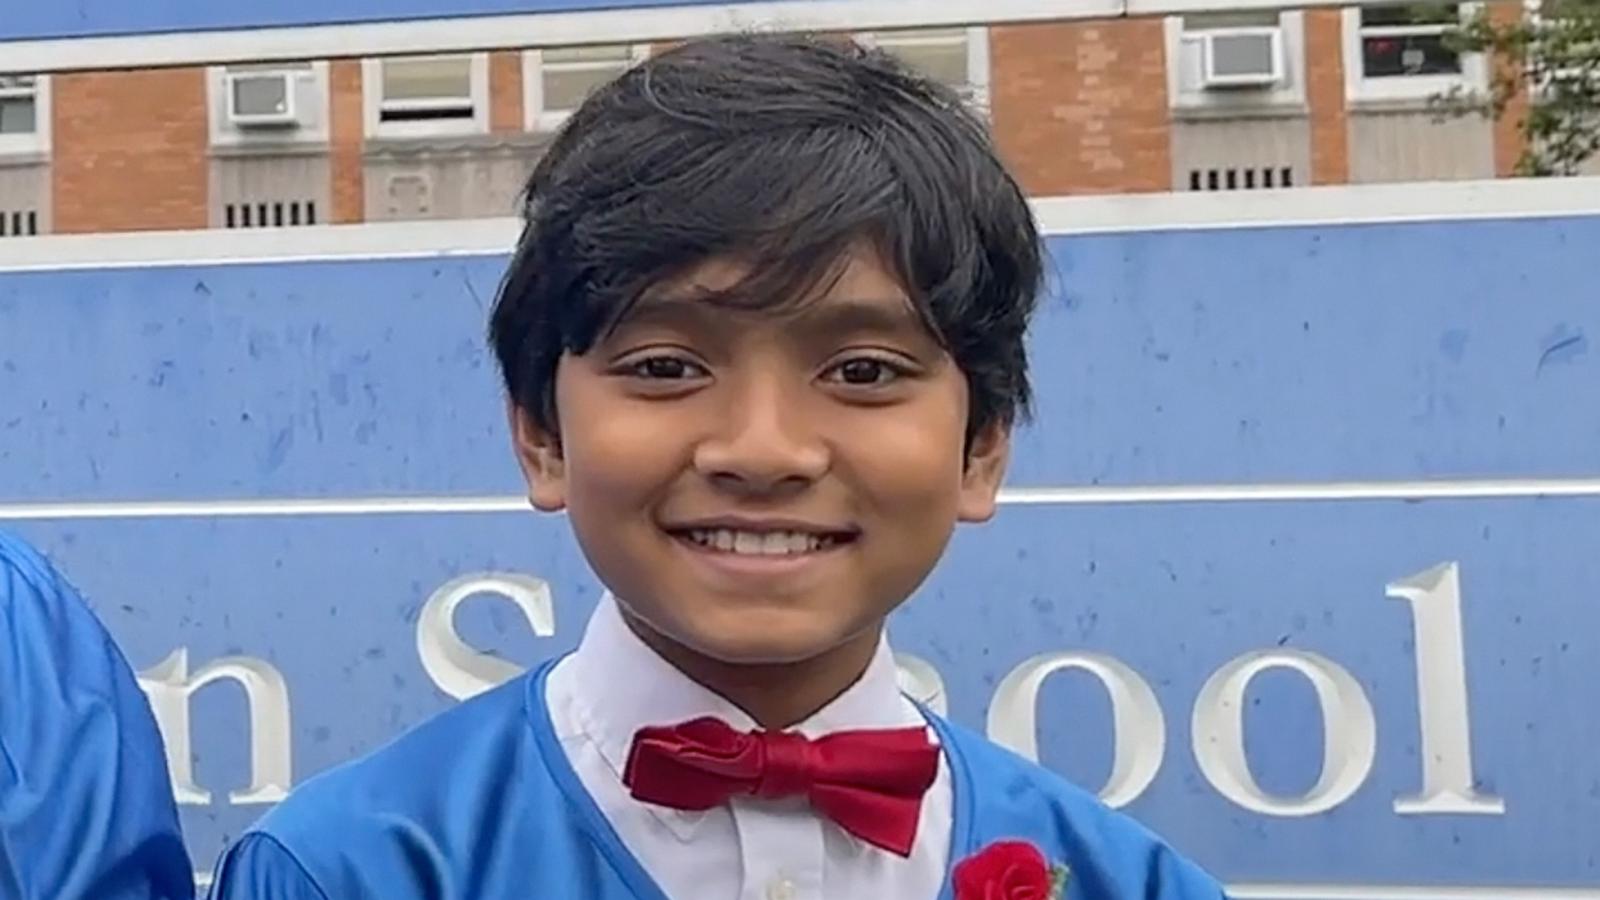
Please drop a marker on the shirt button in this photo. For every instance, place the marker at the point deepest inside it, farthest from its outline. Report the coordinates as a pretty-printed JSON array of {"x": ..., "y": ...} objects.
[{"x": 781, "y": 889}]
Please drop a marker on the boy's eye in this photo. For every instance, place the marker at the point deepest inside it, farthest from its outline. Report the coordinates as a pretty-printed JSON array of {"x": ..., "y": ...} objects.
[
  {"x": 864, "y": 371},
  {"x": 666, "y": 368}
]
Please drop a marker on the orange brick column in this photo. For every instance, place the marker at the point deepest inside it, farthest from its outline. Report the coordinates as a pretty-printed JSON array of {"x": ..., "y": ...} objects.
[
  {"x": 1508, "y": 139},
  {"x": 346, "y": 127},
  {"x": 1081, "y": 107},
  {"x": 505, "y": 91},
  {"x": 1325, "y": 92},
  {"x": 130, "y": 150}
]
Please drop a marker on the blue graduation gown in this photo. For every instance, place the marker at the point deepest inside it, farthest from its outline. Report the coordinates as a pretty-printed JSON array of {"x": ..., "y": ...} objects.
[
  {"x": 86, "y": 809},
  {"x": 480, "y": 803}
]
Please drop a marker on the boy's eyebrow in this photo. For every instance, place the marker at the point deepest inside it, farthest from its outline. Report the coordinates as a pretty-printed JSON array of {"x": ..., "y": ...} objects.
[{"x": 856, "y": 315}]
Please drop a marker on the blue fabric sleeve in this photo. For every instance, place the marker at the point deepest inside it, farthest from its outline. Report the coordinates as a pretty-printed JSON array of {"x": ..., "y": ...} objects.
[
  {"x": 259, "y": 868},
  {"x": 86, "y": 808},
  {"x": 1176, "y": 878}
]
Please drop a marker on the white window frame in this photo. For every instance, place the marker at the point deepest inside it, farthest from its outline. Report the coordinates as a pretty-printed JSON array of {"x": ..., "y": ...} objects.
[
  {"x": 1288, "y": 97},
  {"x": 372, "y": 102},
  {"x": 535, "y": 116},
  {"x": 36, "y": 142},
  {"x": 313, "y": 127},
  {"x": 977, "y": 43},
  {"x": 1408, "y": 89}
]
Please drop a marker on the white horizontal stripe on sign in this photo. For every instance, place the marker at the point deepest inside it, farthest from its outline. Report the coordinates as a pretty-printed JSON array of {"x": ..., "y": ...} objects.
[
  {"x": 1408, "y": 491},
  {"x": 242, "y": 246},
  {"x": 1306, "y": 491}
]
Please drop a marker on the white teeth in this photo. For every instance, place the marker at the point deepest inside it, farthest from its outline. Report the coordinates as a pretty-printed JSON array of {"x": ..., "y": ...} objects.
[{"x": 759, "y": 543}]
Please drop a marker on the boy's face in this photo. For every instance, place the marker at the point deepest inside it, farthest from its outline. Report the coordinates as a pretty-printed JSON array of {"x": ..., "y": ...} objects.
[{"x": 763, "y": 487}]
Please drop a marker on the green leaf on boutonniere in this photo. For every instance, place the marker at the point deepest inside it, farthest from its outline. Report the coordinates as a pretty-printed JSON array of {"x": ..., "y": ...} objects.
[{"x": 1059, "y": 875}]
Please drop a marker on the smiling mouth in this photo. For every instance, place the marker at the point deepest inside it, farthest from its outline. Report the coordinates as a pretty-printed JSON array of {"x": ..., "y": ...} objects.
[{"x": 745, "y": 542}]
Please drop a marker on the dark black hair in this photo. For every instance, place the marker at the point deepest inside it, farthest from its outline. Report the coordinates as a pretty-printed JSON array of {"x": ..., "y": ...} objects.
[{"x": 781, "y": 151}]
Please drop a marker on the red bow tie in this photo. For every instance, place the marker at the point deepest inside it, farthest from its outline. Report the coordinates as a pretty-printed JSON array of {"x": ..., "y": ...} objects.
[{"x": 868, "y": 782}]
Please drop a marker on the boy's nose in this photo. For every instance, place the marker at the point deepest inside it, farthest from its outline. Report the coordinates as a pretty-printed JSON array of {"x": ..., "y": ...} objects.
[{"x": 764, "y": 443}]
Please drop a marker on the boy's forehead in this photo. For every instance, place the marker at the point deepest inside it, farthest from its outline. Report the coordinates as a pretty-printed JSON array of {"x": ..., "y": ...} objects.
[{"x": 857, "y": 269}]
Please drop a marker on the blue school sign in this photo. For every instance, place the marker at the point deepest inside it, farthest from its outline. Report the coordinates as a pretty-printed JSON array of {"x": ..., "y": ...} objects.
[{"x": 1367, "y": 659}]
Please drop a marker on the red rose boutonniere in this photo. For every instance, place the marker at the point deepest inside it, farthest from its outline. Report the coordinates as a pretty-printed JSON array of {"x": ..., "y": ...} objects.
[{"x": 1009, "y": 870}]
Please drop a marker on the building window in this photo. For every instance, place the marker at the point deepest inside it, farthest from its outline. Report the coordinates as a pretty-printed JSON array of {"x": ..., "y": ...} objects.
[
  {"x": 940, "y": 54},
  {"x": 1237, "y": 63},
  {"x": 1239, "y": 49},
  {"x": 426, "y": 88},
  {"x": 1408, "y": 41},
  {"x": 1246, "y": 18},
  {"x": 1398, "y": 54},
  {"x": 263, "y": 106},
  {"x": 422, "y": 96},
  {"x": 19, "y": 104},
  {"x": 559, "y": 79},
  {"x": 955, "y": 57}
]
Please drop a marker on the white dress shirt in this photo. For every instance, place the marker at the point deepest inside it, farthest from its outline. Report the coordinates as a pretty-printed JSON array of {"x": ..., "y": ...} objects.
[{"x": 748, "y": 849}]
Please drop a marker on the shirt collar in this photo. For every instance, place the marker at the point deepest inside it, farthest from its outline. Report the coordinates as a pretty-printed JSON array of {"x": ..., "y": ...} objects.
[{"x": 623, "y": 686}]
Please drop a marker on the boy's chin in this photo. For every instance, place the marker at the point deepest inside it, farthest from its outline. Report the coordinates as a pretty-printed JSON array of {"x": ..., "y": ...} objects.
[
  {"x": 760, "y": 652},
  {"x": 749, "y": 643},
  {"x": 758, "y": 647}
]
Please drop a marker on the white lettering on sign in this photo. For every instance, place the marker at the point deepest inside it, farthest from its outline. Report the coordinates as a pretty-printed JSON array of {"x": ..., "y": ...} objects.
[
  {"x": 1349, "y": 732},
  {"x": 920, "y": 681},
  {"x": 458, "y": 669},
  {"x": 1139, "y": 732},
  {"x": 168, "y": 686},
  {"x": 1138, "y": 728},
  {"x": 1447, "y": 783}
]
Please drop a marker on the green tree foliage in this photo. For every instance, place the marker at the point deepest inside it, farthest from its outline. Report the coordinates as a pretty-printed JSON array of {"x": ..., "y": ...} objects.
[{"x": 1551, "y": 56}]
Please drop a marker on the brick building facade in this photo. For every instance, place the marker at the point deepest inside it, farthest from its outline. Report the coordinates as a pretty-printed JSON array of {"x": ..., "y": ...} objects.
[{"x": 1323, "y": 96}]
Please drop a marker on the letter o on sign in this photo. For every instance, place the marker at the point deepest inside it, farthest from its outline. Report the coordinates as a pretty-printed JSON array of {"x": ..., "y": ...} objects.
[
  {"x": 1350, "y": 733},
  {"x": 1139, "y": 731}
]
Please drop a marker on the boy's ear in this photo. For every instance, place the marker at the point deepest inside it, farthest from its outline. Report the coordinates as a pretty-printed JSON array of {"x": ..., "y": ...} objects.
[
  {"x": 539, "y": 455},
  {"x": 986, "y": 469}
]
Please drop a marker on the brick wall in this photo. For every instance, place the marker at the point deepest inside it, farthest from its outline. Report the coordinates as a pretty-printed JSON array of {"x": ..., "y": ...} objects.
[
  {"x": 505, "y": 91},
  {"x": 1508, "y": 141},
  {"x": 1081, "y": 107},
  {"x": 130, "y": 150},
  {"x": 1325, "y": 94},
  {"x": 346, "y": 127},
  {"x": 1078, "y": 107}
]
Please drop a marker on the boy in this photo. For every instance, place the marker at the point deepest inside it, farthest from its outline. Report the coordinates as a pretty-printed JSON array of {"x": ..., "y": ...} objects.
[
  {"x": 763, "y": 342},
  {"x": 86, "y": 809}
]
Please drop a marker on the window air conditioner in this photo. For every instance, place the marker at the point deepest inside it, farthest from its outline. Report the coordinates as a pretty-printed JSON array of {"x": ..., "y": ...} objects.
[
  {"x": 1242, "y": 57},
  {"x": 257, "y": 99}
]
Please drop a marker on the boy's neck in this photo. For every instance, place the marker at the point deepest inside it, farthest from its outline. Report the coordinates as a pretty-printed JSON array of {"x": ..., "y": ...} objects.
[{"x": 777, "y": 696}]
